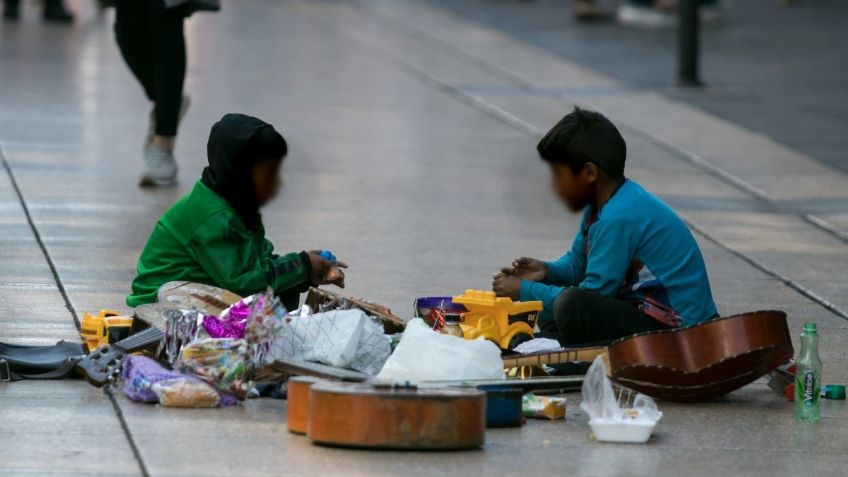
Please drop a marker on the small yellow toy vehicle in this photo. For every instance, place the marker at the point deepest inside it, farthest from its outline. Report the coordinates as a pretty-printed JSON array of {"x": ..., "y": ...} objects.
[
  {"x": 106, "y": 327},
  {"x": 498, "y": 319}
]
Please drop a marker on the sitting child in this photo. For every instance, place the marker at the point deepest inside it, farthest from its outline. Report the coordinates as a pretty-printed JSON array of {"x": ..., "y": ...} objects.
[
  {"x": 633, "y": 267},
  {"x": 214, "y": 234}
]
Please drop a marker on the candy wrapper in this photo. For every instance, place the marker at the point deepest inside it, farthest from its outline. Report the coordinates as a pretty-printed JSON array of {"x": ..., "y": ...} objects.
[
  {"x": 543, "y": 407},
  {"x": 180, "y": 329},
  {"x": 265, "y": 320},
  {"x": 220, "y": 362},
  {"x": 231, "y": 323}
]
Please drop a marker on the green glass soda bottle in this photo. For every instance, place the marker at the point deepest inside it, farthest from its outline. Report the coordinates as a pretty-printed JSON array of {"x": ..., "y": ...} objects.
[{"x": 808, "y": 369}]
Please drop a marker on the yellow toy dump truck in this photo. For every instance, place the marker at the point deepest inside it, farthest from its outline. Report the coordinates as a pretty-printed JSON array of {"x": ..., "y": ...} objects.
[
  {"x": 106, "y": 327},
  {"x": 497, "y": 318}
]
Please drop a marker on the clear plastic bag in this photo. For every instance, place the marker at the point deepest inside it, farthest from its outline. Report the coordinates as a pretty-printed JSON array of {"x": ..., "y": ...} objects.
[
  {"x": 185, "y": 392},
  {"x": 616, "y": 417},
  {"x": 599, "y": 399},
  {"x": 220, "y": 362}
]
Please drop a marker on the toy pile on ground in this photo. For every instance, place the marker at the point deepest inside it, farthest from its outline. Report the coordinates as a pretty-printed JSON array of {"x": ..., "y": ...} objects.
[
  {"x": 205, "y": 356},
  {"x": 475, "y": 353},
  {"x": 212, "y": 359}
]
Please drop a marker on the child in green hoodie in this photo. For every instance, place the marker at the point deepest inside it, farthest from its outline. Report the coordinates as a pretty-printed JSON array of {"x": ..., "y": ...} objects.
[{"x": 214, "y": 234}]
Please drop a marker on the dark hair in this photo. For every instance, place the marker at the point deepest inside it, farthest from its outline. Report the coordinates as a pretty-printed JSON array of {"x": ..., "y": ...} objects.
[
  {"x": 267, "y": 143},
  {"x": 585, "y": 136}
]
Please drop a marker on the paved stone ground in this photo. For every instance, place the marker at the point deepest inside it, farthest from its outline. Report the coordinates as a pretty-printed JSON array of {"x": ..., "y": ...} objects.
[
  {"x": 770, "y": 66},
  {"x": 412, "y": 134}
]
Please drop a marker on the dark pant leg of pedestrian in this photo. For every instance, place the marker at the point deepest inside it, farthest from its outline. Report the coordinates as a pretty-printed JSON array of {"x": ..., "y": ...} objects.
[
  {"x": 11, "y": 9},
  {"x": 152, "y": 42},
  {"x": 133, "y": 33},
  {"x": 169, "y": 67},
  {"x": 583, "y": 316}
]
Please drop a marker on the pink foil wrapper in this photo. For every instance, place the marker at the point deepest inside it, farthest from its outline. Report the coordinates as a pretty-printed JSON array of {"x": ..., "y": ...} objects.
[{"x": 232, "y": 326}]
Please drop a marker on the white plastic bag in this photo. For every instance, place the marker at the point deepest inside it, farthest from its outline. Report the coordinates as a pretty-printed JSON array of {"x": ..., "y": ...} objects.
[
  {"x": 538, "y": 345},
  {"x": 609, "y": 421},
  {"x": 425, "y": 355}
]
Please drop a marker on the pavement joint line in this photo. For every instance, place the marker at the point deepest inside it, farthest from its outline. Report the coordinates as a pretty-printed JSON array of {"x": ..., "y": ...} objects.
[
  {"x": 118, "y": 413},
  {"x": 743, "y": 186},
  {"x": 768, "y": 271},
  {"x": 414, "y": 32},
  {"x": 53, "y": 270},
  {"x": 126, "y": 428},
  {"x": 516, "y": 122}
]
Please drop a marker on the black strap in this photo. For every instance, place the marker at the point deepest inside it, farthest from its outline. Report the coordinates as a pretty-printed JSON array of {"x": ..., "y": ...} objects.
[{"x": 65, "y": 370}]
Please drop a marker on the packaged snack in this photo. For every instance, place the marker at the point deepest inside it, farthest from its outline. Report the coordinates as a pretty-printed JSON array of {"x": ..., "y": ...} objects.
[
  {"x": 185, "y": 392},
  {"x": 218, "y": 361},
  {"x": 145, "y": 380},
  {"x": 543, "y": 407}
]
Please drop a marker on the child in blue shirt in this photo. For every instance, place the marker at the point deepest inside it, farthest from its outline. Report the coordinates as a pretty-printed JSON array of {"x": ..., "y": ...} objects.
[{"x": 633, "y": 267}]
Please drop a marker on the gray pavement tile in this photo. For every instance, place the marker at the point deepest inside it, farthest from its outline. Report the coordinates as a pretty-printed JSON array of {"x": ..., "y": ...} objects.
[{"x": 60, "y": 428}]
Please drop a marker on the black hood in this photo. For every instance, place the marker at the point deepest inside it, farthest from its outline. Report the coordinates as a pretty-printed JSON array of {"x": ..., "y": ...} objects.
[{"x": 230, "y": 164}]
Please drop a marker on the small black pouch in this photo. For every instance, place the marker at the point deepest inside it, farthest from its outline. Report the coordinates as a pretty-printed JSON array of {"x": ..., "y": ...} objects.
[{"x": 39, "y": 362}]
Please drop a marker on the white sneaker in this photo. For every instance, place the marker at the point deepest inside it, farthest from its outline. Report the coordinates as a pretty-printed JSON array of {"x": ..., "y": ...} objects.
[
  {"x": 160, "y": 167},
  {"x": 644, "y": 17},
  {"x": 151, "y": 128}
]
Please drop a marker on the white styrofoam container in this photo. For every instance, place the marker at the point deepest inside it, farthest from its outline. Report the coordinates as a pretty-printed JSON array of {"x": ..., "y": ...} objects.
[{"x": 615, "y": 430}]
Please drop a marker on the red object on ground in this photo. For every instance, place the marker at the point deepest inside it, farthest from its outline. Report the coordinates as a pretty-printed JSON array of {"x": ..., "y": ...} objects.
[{"x": 790, "y": 392}]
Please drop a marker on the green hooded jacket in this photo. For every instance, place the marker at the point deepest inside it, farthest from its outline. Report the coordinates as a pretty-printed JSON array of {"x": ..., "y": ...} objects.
[{"x": 202, "y": 239}]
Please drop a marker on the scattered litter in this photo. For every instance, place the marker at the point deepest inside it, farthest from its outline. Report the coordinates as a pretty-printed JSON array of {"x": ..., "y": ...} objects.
[
  {"x": 626, "y": 417},
  {"x": 231, "y": 323},
  {"x": 185, "y": 392},
  {"x": 503, "y": 406},
  {"x": 424, "y": 355},
  {"x": 543, "y": 407},
  {"x": 342, "y": 338},
  {"x": 538, "y": 345},
  {"x": 833, "y": 391},
  {"x": 180, "y": 329},
  {"x": 220, "y": 362},
  {"x": 145, "y": 380}
]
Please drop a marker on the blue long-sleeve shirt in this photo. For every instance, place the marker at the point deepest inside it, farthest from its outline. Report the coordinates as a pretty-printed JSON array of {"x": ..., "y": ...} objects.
[{"x": 637, "y": 249}]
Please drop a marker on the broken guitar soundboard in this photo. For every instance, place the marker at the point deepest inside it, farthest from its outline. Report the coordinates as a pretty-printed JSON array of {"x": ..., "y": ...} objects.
[{"x": 320, "y": 300}]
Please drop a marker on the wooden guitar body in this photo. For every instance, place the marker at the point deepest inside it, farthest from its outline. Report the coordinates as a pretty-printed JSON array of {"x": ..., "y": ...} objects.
[
  {"x": 702, "y": 361},
  {"x": 184, "y": 296},
  {"x": 297, "y": 406},
  {"x": 390, "y": 417}
]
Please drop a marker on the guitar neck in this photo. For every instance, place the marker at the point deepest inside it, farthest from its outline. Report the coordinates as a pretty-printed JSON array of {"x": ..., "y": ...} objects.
[
  {"x": 141, "y": 339},
  {"x": 564, "y": 355}
]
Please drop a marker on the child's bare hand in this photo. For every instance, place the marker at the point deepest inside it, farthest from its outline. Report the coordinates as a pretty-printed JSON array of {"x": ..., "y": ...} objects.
[
  {"x": 507, "y": 285},
  {"x": 326, "y": 272},
  {"x": 530, "y": 269}
]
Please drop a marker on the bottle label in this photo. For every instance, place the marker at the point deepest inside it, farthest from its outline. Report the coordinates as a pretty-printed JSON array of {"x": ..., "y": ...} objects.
[{"x": 807, "y": 383}]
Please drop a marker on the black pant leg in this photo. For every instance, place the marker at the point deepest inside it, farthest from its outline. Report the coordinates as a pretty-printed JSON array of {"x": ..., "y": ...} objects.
[
  {"x": 167, "y": 41},
  {"x": 583, "y": 316},
  {"x": 133, "y": 33}
]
